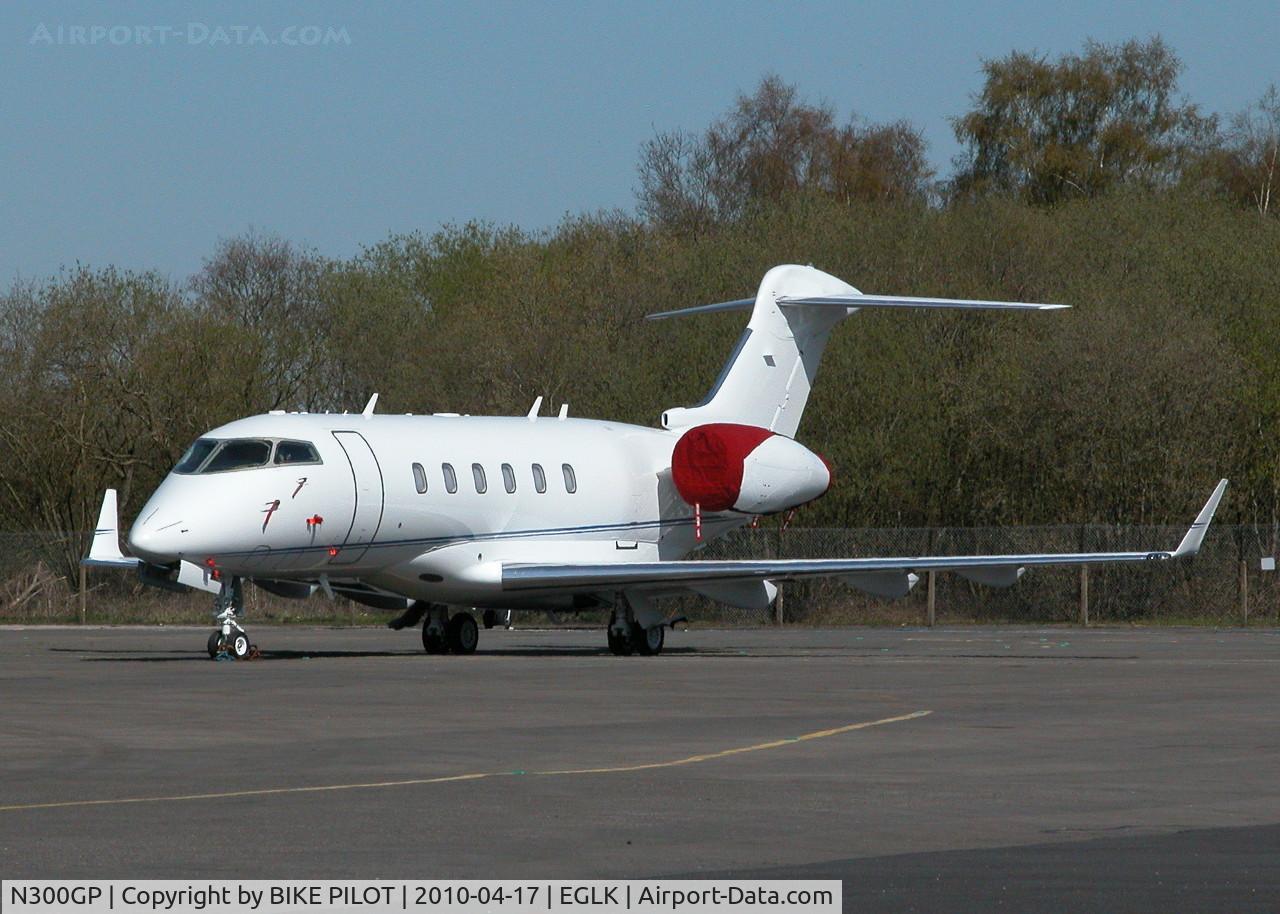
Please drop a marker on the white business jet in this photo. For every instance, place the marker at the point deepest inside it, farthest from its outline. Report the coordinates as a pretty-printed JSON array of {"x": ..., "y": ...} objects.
[{"x": 436, "y": 516}]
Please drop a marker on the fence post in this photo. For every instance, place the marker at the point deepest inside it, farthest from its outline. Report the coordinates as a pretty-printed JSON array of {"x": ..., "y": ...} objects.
[
  {"x": 777, "y": 608},
  {"x": 933, "y": 595},
  {"x": 1084, "y": 595},
  {"x": 83, "y": 588},
  {"x": 1244, "y": 591}
]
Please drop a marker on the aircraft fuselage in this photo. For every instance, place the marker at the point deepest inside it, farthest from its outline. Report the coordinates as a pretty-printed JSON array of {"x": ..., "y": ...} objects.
[{"x": 425, "y": 506}]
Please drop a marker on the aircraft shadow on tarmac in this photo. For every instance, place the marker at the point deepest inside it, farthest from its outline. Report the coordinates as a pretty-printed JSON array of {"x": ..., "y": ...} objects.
[
  {"x": 173, "y": 656},
  {"x": 536, "y": 651}
]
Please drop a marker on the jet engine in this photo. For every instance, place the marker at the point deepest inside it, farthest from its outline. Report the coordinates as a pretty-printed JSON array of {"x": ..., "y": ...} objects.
[{"x": 727, "y": 467}]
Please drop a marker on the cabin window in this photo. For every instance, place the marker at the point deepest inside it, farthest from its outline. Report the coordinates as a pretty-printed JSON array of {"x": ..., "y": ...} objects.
[
  {"x": 296, "y": 452},
  {"x": 420, "y": 479},
  {"x": 196, "y": 455},
  {"x": 240, "y": 454},
  {"x": 508, "y": 478},
  {"x": 539, "y": 479},
  {"x": 477, "y": 473},
  {"x": 570, "y": 480},
  {"x": 450, "y": 478}
]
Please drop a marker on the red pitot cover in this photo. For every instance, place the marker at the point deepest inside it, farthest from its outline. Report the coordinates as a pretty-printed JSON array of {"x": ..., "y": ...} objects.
[{"x": 706, "y": 465}]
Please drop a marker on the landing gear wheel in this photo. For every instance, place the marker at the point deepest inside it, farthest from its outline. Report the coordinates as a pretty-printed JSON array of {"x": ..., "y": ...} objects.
[
  {"x": 215, "y": 643},
  {"x": 463, "y": 633},
  {"x": 648, "y": 641},
  {"x": 238, "y": 645},
  {"x": 619, "y": 643},
  {"x": 433, "y": 641}
]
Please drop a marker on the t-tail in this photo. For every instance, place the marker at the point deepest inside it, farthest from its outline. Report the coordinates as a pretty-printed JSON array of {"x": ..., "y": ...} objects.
[{"x": 767, "y": 380}]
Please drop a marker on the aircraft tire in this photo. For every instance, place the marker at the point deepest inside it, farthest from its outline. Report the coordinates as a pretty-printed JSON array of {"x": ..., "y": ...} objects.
[
  {"x": 239, "y": 645},
  {"x": 215, "y": 643},
  {"x": 619, "y": 645},
  {"x": 434, "y": 642},
  {"x": 463, "y": 634},
  {"x": 648, "y": 641}
]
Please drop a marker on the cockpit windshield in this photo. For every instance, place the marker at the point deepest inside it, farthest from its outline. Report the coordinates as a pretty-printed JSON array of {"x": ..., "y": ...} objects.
[
  {"x": 296, "y": 452},
  {"x": 195, "y": 455},
  {"x": 209, "y": 455},
  {"x": 239, "y": 455}
]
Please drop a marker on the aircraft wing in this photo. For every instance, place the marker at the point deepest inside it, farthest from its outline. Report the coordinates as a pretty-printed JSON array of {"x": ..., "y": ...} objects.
[{"x": 889, "y": 576}]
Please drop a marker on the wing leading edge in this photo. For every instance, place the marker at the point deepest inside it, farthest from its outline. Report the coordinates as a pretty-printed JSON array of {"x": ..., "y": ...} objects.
[{"x": 995, "y": 569}]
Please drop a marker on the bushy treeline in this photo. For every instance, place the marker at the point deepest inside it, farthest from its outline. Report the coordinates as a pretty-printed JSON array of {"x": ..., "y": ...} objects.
[{"x": 1164, "y": 376}]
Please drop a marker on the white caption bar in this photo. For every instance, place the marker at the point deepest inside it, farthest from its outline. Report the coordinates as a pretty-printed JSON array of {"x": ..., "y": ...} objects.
[{"x": 509, "y": 896}]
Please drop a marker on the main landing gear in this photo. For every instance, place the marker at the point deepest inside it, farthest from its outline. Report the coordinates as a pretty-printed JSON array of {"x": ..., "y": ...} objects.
[
  {"x": 446, "y": 634},
  {"x": 229, "y": 639},
  {"x": 627, "y": 636}
]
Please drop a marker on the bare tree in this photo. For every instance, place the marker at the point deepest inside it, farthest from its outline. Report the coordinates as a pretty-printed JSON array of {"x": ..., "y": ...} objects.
[
  {"x": 1252, "y": 153},
  {"x": 264, "y": 295},
  {"x": 772, "y": 145}
]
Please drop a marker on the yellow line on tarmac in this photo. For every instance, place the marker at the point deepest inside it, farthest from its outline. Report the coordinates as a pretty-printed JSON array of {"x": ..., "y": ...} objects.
[
  {"x": 444, "y": 779},
  {"x": 725, "y": 753},
  {"x": 262, "y": 792}
]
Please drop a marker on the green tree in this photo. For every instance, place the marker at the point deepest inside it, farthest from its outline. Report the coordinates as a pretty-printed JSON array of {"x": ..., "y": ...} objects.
[{"x": 1079, "y": 126}]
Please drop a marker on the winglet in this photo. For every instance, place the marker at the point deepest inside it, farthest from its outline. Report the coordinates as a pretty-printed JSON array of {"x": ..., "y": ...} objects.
[
  {"x": 1190, "y": 544},
  {"x": 105, "y": 548}
]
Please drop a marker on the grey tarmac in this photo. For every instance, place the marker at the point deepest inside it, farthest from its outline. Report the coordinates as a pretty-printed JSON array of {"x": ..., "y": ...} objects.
[{"x": 1056, "y": 769}]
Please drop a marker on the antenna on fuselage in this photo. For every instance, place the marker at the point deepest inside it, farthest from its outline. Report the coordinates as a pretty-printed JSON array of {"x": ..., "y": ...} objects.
[
  {"x": 368, "y": 407},
  {"x": 533, "y": 410},
  {"x": 564, "y": 411}
]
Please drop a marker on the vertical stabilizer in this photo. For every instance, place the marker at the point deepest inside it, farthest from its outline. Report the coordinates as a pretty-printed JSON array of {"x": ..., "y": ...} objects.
[{"x": 767, "y": 380}]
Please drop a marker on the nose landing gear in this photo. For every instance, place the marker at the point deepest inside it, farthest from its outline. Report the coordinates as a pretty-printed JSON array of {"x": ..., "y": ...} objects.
[{"x": 230, "y": 639}]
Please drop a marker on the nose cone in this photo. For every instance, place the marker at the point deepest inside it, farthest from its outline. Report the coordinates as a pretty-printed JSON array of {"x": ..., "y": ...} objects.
[{"x": 157, "y": 534}]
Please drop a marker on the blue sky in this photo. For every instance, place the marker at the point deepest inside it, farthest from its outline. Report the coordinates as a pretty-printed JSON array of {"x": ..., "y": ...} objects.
[{"x": 143, "y": 155}]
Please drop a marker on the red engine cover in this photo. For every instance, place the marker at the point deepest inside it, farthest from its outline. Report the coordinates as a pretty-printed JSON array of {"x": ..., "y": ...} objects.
[{"x": 706, "y": 465}]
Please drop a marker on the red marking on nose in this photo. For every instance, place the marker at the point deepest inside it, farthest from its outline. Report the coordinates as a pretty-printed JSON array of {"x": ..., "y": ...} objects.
[{"x": 269, "y": 510}]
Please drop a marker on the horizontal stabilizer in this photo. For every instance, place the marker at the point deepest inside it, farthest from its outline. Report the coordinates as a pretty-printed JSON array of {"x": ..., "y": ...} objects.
[
  {"x": 864, "y": 301},
  {"x": 738, "y": 304},
  {"x": 907, "y": 301}
]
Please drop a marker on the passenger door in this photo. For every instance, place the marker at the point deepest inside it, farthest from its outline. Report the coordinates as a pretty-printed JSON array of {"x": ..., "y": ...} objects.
[{"x": 366, "y": 479}]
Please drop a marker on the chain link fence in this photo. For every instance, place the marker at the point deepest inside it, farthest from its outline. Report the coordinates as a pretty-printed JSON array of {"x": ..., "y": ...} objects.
[{"x": 1223, "y": 585}]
